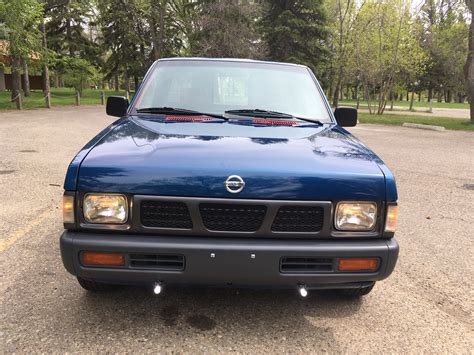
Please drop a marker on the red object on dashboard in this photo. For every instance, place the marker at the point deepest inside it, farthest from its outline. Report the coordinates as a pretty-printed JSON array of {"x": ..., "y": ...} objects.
[
  {"x": 187, "y": 118},
  {"x": 287, "y": 123}
]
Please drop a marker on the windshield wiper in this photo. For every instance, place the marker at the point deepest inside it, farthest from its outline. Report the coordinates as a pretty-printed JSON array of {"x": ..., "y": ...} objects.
[
  {"x": 177, "y": 111},
  {"x": 268, "y": 114}
]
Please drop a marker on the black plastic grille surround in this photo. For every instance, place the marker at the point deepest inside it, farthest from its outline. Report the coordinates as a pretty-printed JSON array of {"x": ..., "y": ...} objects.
[
  {"x": 305, "y": 265},
  {"x": 299, "y": 219},
  {"x": 165, "y": 214},
  {"x": 209, "y": 216},
  {"x": 230, "y": 217},
  {"x": 155, "y": 261}
]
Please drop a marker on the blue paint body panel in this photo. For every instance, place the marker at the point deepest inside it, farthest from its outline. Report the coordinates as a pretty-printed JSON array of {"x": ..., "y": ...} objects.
[
  {"x": 70, "y": 182},
  {"x": 149, "y": 155}
]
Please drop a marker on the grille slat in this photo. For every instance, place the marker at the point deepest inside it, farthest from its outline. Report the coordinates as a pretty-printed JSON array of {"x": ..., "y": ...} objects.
[
  {"x": 165, "y": 214},
  {"x": 305, "y": 265},
  {"x": 230, "y": 217},
  {"x": 153, "y": 261},
  {"x": 299, "y": 219}
]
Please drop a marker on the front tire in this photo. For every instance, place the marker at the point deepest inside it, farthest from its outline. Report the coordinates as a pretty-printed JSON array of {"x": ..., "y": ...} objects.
[
  {"x": 356, "y": 292},
  {"x": 93, "y": 286}
]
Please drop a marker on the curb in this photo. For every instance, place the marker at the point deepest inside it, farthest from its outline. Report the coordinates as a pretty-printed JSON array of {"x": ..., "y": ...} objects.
[{"x": 424, "y": 126}]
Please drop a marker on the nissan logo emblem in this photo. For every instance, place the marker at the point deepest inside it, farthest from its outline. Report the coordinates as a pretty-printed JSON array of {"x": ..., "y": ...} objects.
[{"x": 234, "y": 184}]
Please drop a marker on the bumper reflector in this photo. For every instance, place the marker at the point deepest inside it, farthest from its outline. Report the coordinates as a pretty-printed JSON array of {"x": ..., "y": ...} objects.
[
  {"x": 92, "y": 258},
  {"x": 358, "y": 264}
]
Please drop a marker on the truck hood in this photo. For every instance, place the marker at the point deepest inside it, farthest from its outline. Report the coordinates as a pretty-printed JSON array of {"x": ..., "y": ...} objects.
[{"x": 160, "y": 156}]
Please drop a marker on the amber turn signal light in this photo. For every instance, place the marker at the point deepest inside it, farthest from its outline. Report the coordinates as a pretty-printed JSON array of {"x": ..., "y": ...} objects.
[
  {"x": 392, "y": 218},
  {"x": 92, "y": 258},
  {"x": 358, "y": 264}
]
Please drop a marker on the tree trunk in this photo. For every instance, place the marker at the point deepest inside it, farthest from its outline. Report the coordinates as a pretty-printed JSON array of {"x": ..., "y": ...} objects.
[
  {"x": 330, "y": 92},
  {"x": 162, "y": 26},
  {"x": 356, "y": 93},
  {"x": 335, "y": 98},
  {"x": 69, "y": 37},
  {"x": 469, "y": 66},
  {"x": 26, "y": 78},
  {"x": 46, "y": 89},
  {"x": 430, "y": 99},
  {"x": 16, "y": 81},
  {"x": 158, "y": 9},
  {"x": 411, "y": 101},
  {"x": 154, "y": 38},
  {"x": 116, "y": 83},
  {"x": 126, "y": 84},
  {"x": 367, "y": 96}
]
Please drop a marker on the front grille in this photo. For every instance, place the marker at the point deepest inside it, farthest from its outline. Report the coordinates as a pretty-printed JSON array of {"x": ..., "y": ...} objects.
[
  {"x": 305, "y": 265},
  {"x": 165, "y": 214},
  {"x": 230, "y": 217},
  {"x": 161, "y": 262},
  {"x": 298, "y": 219}
]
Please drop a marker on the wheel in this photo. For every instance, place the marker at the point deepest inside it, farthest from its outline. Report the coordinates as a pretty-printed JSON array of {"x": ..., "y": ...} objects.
[
  {"x": 94, "y": 286},
  {"x": 356, "y": 292}
]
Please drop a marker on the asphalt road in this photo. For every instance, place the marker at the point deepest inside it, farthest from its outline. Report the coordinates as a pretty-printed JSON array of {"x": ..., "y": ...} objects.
[{"x": 426, "y": 305}]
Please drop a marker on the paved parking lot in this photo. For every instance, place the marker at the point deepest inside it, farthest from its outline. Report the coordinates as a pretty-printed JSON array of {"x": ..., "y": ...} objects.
[{"x": 426, "y": 305}]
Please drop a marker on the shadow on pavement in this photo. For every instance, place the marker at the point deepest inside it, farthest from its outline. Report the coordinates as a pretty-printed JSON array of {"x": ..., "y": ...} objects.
[{"x": 271, "y": 315}]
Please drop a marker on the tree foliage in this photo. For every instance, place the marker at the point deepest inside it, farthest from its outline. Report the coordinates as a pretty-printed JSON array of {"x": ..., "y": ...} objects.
[
  {"x": 228, "y": 29},
  {"x": 295, "y": 31},
  {"x": 384, "y": 47},
  {"x": 20, "y": 19}
]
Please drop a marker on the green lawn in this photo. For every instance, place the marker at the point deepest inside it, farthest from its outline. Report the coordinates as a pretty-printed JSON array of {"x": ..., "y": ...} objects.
[
  {"x": 447, "y": 122},
  {"x": 421, "y": 106},
  {"x": 59, "y": 97}
]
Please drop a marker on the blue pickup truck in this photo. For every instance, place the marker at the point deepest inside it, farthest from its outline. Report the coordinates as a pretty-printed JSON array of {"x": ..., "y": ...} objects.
[{"x": 227, "y": 172}]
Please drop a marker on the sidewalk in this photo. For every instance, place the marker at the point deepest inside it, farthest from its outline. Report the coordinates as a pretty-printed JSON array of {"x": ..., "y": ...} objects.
[{"x": 421, "y": 111}]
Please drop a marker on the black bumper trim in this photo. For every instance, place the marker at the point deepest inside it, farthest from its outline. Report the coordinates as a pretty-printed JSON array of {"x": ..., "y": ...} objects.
[{"x": 232, "y": 264}]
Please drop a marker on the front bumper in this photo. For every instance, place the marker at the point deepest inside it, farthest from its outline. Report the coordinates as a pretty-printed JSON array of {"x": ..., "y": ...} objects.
[{"x": 234, "y": 261}]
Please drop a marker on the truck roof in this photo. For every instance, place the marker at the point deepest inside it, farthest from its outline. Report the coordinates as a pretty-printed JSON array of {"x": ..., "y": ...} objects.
[{"x": 228, "y": 60}]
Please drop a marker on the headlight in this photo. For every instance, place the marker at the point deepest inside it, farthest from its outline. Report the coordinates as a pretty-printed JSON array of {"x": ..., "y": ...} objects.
[
  {"x": 105, "y": 208},
  {"x": 356, "y": 216}
]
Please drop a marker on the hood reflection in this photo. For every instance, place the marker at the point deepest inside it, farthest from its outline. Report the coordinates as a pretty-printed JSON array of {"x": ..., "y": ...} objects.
[{"x": 194, "y": 159}]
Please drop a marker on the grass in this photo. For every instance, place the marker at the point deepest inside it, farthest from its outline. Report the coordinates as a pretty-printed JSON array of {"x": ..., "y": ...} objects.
[
  {"x": 398, "y": 120},
  {"x": 59, "y": 97},
  {"x": 422, "y": 105},
  {"x": 65, "y": 97}
]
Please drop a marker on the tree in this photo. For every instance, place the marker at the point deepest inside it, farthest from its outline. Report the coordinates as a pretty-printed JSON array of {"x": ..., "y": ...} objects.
[
  {"x": 124, "y": 41},
  {"x": 227, "y": 29},
  {"x": 65, "y": 28},
  {"x": 341, "y": 42},
  {"x": 78, "y": 72},
  {"x": 469, "y": 67},
  {"x": 21, "y": 19},
  {"x": 295, "y": 31},
  {"x": 386, "y": 48},
  {"x": 171, "y": 23},
  {"x": 444, "y": 38}
]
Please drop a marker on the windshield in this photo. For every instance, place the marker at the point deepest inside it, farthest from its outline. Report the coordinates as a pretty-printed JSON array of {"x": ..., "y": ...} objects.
[{"x": 219, "y": 86}]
